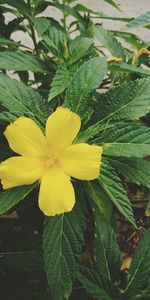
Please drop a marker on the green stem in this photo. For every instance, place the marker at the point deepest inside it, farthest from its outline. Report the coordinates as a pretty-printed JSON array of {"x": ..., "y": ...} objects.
[
  {"x": 31, "y": 23},
  {"x": 64, "y": 17},
  {"x": 33, "y": 37}
]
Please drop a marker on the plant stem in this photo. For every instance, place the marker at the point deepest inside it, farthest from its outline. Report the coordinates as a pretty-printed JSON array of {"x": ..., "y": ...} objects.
[
  {"x": 31, "y": 23},
  {"x": 33, "y": 37},
  {"x": 64, "y": 17}
]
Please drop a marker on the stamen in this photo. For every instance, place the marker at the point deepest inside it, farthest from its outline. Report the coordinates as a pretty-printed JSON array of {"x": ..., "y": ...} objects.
[{"x": 48, "y": 161}]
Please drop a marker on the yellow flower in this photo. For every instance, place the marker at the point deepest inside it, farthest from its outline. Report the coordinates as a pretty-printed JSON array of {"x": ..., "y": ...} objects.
[
  {"x": 139, "y": 53},
  {"x": 115, "y": 59},
  {"x": 51, "y": 159}
]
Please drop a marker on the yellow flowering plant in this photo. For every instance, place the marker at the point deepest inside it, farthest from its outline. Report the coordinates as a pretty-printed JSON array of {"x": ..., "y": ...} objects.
[
  {"x": 50, "y": 159},
  {"x": 74, "y": 143}
]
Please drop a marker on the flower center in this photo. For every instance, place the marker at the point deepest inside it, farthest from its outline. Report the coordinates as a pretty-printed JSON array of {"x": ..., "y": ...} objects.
[{"x": 49, "y": 161}]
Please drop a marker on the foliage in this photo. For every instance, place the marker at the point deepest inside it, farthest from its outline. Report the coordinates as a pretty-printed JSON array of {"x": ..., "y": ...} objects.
[{"x": 66, "y": 64}]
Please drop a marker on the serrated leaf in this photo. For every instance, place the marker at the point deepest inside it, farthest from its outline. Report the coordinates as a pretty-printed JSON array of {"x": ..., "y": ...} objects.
[
  {"x": 129, "y": 100},
  {"x": 127, "y": 149},
  {"x": 96, "y": 286},
  {"x": 139, "y": 272},
  {"x": 42, "y": 24},
  {"x": 55, "y": 40},
  {"x": 40, "y": 6},
  {"x": 92, "y": 131},
  {"x": 99, "y": 198},
  {"x": 101, "y": 15},
  {"x": 7, "y": 42},
  {"x": 131, "y": 38},
  {"x": 113, "y": 3},
  {"x": 79, "y": 47},
  {"x": 142, "y": 20},
  {"x": 126, "y": 68},
  {"x": 11, "y": 197},
  {"x": 113, "y": 187},
  {"x": 60, "y": 81},
  {"x": 108, "y": 40},
  {"x": 63, "y": 238},
  {"x": 86, "y": 79},
  {"x": 127, "y": 140},
  {"x": 70, "y": 11},
  {"x": 7, "y": 117},
  {"x": 20, "y": 5},
  {"x": 19, "y": 61},
  {"x": 106, "y": 248},
  {"x": 21, "y": 100},
  {"x": 133, "y": 169}
]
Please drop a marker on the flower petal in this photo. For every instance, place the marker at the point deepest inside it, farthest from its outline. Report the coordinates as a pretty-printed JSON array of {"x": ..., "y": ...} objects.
[
  {"x": 61, "y": 129},
  {"x": 56, "y": 193},
  {"x": 26, "y": 138},
  {"x": 19, "y": 170},
  {"x": 81, "y": 161}
]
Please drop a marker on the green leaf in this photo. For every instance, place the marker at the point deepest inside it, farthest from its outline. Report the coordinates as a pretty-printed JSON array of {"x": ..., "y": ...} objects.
[
  {"x": 79, "y": 47},
  {"x": 106, "y": 248},
  {"x": 126, "y": 68},
  {"x": 7, "y": 42},
  {"x": 86, "y": 79},
  {"x": 85, "y": 9},
  {"x": 109, "y": 41},
  {"x": 129, "y": 100},
  {"x": 113, "y": 3},
  {"x": 7, "y": 117},
  {"x": 96, "y": 286},
  {"x": 63, "y": 238},
  {"x": 99, "y": 198},
  {"x": 19, "y": 61},
  {"x": 20, "y": 5},
  {"x": 42, "y": 24},
  {"x": 131, "y": 38},
  {"x": 127, "y": 140},
  {"x": 113, "y": 187},
  {"x": 70, "y": 11},
  {"x": 60, "y": 81},
  {"x": 142, "y": 20},
  {"x": 56, "y": 42},
  {"x": 92, "y": 131},
  {"x": 40, "y": 6},
  {"x": 21, "y": 100},
  {"x": 139, "y": 272},
  {"x": 133, "y": 169},
  {"x": 11, "y": 197},
  {"x": 127, "y": 149}
]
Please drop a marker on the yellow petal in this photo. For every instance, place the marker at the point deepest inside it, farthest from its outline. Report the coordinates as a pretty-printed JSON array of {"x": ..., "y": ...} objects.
[
  {"x": 81, "y": 161},
  {"x": 19, "y": 170},
  {"x": 126, "y": 263},
  {"x": 26, "y": 138},
  {"x": 56, "y": 193},
  {"x": 61, "y": 129}
]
